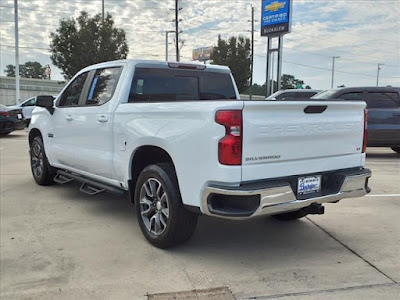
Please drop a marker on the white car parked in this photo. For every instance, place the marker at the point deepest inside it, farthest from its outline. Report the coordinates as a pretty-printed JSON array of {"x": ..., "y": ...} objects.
[
  {"x": 27, "y": 107},
  {"x": 293, "y": 94},
  {"x": 178, "y": 138}
]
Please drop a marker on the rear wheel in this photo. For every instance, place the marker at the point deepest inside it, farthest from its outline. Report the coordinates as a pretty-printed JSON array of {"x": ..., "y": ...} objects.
[
  {"x": 41, "y": 170},
  {"x": 163, "y": 219},
  {"x": 396, "y": 149},
  {"x": 289, "y": 216}
]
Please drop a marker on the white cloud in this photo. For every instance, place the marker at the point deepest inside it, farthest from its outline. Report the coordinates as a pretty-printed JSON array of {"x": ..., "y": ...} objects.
[{"x": 363, "y": 33}]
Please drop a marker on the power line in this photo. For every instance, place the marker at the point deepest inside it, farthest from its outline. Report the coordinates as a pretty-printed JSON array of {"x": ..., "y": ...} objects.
[
  {"x": 326, "y": 69},
  {"x": 24, "y": 47},
  {"x": 330, "y": 56},
  {"x": 339, "y": 71}
]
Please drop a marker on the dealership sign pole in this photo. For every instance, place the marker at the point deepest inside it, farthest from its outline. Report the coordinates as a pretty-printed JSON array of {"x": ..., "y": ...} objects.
[{"x": 276, "y": 20}]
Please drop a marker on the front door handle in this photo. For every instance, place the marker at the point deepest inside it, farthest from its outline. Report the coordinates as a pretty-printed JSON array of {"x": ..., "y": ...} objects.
[
  {"x": 102, "y": 118},
  {"x": 396, "y": 114},
  {"x": 69, "y": 117}
]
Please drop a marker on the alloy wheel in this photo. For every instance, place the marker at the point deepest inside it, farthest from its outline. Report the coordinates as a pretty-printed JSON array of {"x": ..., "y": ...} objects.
[
  {"x": 154, "y": 206},
  {"x": 37, "y": 160}
]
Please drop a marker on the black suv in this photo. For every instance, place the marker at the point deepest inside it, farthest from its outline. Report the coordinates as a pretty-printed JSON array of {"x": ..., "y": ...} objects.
[{"x": 383, "y": 104}]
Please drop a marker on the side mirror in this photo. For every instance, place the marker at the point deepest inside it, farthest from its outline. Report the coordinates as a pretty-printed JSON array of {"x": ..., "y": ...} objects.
[{"x": 46, "y": 102}]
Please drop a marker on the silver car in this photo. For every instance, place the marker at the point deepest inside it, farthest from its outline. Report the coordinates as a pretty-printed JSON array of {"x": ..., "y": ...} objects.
[{"x": 293, "y": 94}]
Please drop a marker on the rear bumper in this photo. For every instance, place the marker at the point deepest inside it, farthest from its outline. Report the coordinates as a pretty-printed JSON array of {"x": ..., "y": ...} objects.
[{"x": 279, "y": 196}]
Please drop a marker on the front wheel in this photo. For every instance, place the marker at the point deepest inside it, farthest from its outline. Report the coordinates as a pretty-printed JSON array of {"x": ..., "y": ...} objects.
[
  {"x": 396, "y": 149},
  {"x": 162, "y": 218},
  {"x": 41, "y": 170}
]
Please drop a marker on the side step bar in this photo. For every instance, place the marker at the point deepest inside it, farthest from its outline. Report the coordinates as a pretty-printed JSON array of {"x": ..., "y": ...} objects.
[
  {"x": 89, "y": 186},
  {"x": 62, "y": 179},
  {"x": 90, "y": 190}
]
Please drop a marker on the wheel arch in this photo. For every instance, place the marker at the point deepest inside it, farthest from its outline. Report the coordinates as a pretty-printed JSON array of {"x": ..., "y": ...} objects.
[
  {"x": 34, "y": 132},
  {"x": 143, "y": 157}
]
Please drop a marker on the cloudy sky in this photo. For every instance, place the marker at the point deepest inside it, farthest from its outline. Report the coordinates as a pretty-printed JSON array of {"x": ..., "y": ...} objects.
[{"x": 362, "y": 32}]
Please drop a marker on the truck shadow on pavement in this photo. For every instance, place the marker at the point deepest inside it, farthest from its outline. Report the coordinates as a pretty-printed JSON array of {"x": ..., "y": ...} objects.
[
  {"x": 225, "y": 239},
  {"x": 217, "y": 240},
  {"x": 118, "y": 206}
]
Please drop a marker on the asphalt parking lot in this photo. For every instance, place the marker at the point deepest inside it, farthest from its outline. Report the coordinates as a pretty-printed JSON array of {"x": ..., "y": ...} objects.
[{"x": 57, "y": 243}]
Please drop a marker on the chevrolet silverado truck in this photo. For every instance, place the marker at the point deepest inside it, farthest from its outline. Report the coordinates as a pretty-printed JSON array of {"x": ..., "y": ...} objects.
[{"x": 180, "y": 141}]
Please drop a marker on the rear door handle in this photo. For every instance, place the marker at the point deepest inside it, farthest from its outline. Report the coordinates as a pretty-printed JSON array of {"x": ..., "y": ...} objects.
[
  {"x": 396, "y": 114},
  {"x": 102, "y": 118},
  {"x": 69, "y": 117}
]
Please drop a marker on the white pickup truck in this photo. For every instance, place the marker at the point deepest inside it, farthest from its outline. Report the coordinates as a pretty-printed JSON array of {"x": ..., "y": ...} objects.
[{"x": 179, "y": 139}]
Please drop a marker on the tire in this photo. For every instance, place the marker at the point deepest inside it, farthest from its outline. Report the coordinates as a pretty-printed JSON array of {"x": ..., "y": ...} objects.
[
  {"x": 42, "y": 172},
  {"x": 162, "y": 218},
  {"x": 290, "y": 216},
  {"x": 396, "y": 149}
]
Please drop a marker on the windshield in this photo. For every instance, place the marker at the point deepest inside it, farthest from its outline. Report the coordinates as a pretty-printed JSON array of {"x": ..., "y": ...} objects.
[{"x": 325, "y": 95}]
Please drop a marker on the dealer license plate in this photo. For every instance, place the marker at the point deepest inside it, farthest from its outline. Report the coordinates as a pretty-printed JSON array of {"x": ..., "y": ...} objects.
[
  {"x": 19, "y": 116},
  {"x": 309, "y": 185}
]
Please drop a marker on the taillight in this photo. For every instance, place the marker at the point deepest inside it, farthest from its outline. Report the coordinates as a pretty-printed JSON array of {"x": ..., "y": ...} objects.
[
  {"x": 365, "y": 138},
  {"x": 4, "y": 113},
  {"x": 230, "y": 146}
]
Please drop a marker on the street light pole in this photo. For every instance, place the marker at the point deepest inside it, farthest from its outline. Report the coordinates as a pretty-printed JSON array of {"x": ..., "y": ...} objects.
[
  {"x": 166, "y": 43},
  {"x": 16, "y": 53},
  {"x": 377, "y": 75},
  {"x": 333, "y": 69},
  {"x": 177, "y": 30}
]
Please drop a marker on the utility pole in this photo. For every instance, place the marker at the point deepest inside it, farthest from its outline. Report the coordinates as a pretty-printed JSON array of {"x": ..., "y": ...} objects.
[
  {"x": 279, "y": 66},
  {"x": 166, "y": 43},
  {"x": 333, "y": 69},
  {"x": 252, "y": 52},
  {"x": 272, "y": 66},
  {"x": 102, "y": 10},
  {"x": 377, "y": 75},
  {"x": 16, "y": 53},
  {"x": 177, "y": 29}
]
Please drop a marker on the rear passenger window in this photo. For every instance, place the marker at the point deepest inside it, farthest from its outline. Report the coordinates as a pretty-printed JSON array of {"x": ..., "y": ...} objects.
[
  {"x": 383, "y": 100},
  {"x": 103, "y": 86},
  {"x": 352, "y": 96},
  {"x": 159, "y": 85},
  {"x": 286, "y": 96},
  {"x": 308, "y": 95},
  {"x": 71, "y": 95}
]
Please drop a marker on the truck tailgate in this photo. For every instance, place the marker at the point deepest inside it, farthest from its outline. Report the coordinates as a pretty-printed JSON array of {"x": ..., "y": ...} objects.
[{"x": 285, "y": 138}]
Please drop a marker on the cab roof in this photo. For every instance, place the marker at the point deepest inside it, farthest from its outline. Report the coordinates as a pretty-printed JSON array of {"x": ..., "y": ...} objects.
[{"x": 159, "y": 64}]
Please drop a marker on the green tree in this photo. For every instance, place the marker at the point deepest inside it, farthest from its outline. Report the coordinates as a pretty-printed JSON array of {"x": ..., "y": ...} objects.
[
  {"x": 84, "y": 41},
  {"x": 10, "y": 71},
  {"x": 234, "y": 53},
  {"x": 259, "y": 90},
  {"x": 31, "y": 69},
  {"x": 290, "y": 82}
]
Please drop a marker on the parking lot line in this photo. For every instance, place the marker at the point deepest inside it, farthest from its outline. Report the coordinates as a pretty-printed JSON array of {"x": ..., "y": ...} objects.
[
  {"x": 351, "y": 250},
  {"x": 385, "y": 195}
]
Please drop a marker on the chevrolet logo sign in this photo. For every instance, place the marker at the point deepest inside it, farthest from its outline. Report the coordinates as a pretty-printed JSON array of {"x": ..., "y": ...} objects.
[{"x": 275, "y": 6}]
